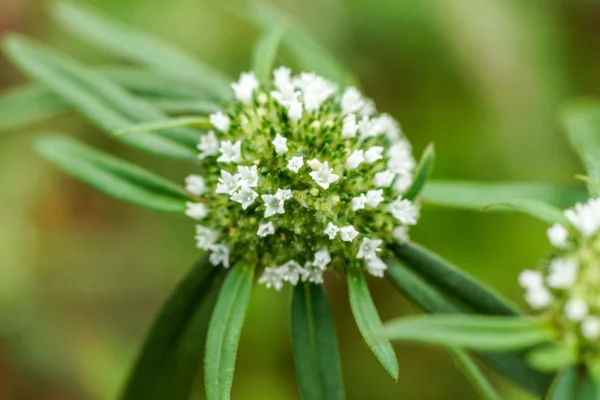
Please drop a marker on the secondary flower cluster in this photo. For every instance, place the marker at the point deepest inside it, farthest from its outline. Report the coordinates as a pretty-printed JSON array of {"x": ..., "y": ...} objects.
[
  {"x": 568, "y": 287},
  {"x": 300, "y": 178}
]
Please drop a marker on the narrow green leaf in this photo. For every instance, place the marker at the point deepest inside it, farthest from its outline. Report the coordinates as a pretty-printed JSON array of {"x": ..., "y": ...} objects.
[
  {"x": 315, "y": 346},
  {"x": 117, "y": 178},
  {"x": 552, "y": 357},
  {"x": 176, "y": 338},
  {"x": 589, "y": 388},
  {"x": 265, "y": 51},
  {"x": 536, "y": 208},
  {"x": 139, "y": 47},
  {"x": 224, "y": 332},
  {"x": 27, "y": 105},
  {"x": 565, "y": 386},
  {"x": 368, "y": 322},
  {"x": 489, "y": 333},
  {"x": 422, "y": 173},
  {"x": 166, "y": 124},
  {"x": 442, "y": 274},
  {"x": 477, "y": 195},
  {"x": 186, "y": 106},
  {"x": 474, "y": 374},
  {"x": 99, "y": 99},
  {"x": 581, "y": 121}
]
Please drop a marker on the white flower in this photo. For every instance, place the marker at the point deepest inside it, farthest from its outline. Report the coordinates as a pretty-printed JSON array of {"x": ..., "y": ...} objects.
[
  {"x": 400, "y": 158},
  {"x": 374, "y": 197},
  {"x": 531, "y": 280},
  {"x": 585, "y": 216},
  {"x": 403, "y": 182},
  {"x": 314, "y": 164},
  {"x": 373, "y": 154},
  {"x": 219, "y": 255},
  {"x": 208, "y": 146},
  {"x": 576, "y": 309},
  {"x": 350, "y": 127},
  {"x": 195, "y": 210},
  {"x": 273, "y": 205},
  {"x": 400, "y": 233},
  {"x": 331, "y": 230},
  {"x": 390, "y": 127},
  {"x": 348, "y": 233},
  {"x": 220, "y": 121},
  {"x": 195, "y": 184},
  {"x": 538, "y": 298},
  {"x": 590, "y": 328},
  {"x": 322, "y": 259},
  {"x": 355, "y": 159},
  {"x": 315, "y": 89},
  {"x": 358, "y": 203},
  {"x": 244, "y": 88},
  {"x": 352, "y": 100},
  {"x": 376, "y": 267},
  {"x": 284, "y": 194},
  {"x": 280, "y": 144},
  {"x": 295, "y": 110},
  {"x": 404, "y": 211},
  {"x": 558, "y": 235},
  {"x": 230, "y": 152},
  {"x": 324, "y": 176},
  {"x": 248, "y": 176},
  {"x": 384, "y": 178},
  {"x": 295, "y": 164},
  {"x": 228, "y": 183},
  {"x": 282, "y": 79},
  {"x": 265, "y": 229},
  {"x": 369, "y": 248},
  {"x": 290, "y": 271},
  {"x": 368, "y": 127},
  {"x": 312, "y": 273},
  {"x": 272, "y": 278},
  {"x": 563, "y": 273},
  {"x": 245, "y": 196},
  {"x": 205, "y": 237},
  {"x": 368, "y": 108}
]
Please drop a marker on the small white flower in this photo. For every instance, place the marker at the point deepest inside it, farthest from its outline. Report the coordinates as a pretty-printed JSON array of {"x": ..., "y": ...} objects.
[
  {"x": 265, "y": 229},
  {"x": 244, "y": 88},
  {"x": 205, "y": 237},
  {"x": 208, "y": 146},
  {"x": 368, "y": 127},
  {"x": 315, "y": 89},
  {"x": 282, "y": 79},
  {"x": 273, "y": 205},
  {"x": 195, "y": 210},
  {"x": 290, "y": 271},
  {"x": 373, "y": 154},
  {"x": 324, "y": 176},
  {"x": 558, "y": 235},
  {"x": 376, "y": 267},
  {"x": 322, "y": 259},
  {"x": 230, "y": 152},
  {"x": 403, "y": 182},
  {"x": 369, "y": 248},
  {"x": 531, "y": 280},
  {"x": 562, "y": 273},
  {"x": 295, "y": 164},
  {"x": 368, "y": 108},
  {"x": 374, "y": 197},
  {"x": 349, "y": 127},
  {"x": 312, "y": 273},
  {"x": 384, "y": 178},
  {"x": 352, "y": 100},
  {"x": 576, "y": 309},
  {"x": 348, "y": 233},
  {"x": 280, "y": 144},
  {"x": 358, "y": 203},
  {"x": 538, "y": 298},
  {"x": 390, "y": 127},
  {"x": 195, "y": 184},
  {"x": 228, "y": 183},
  {"x": 357, "y": 157},
  {"x": 585, "y": 217},
  {"x": 331, "y": 230},
  {"x": 220, "y": 121},
  {"x": 219, "y": 255},
  {"x": 404, "y": 211},
  {"x": 295, "y": 110},
  {"x": 245, "y": 196},
  {"x": 284, "y": 194},
  {"x": 272, "y": 278},
  {"x": 400, "y": 158},
  {"x": 400, "y": 233},
  {"x": 248, "y": 176},
  {"x": 590, "y": 328},
  {"x": 314, "y": 164}
]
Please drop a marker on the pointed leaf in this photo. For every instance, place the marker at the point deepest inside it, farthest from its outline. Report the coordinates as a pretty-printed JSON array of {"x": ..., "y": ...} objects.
[
  {"x": 166, "y": 124},
  {"x": 474, "y": 374},
  {"x": 536, "y": 208},
  {"x": 265, "y": 51},
  {"x": 422, "y": 173},
  {"x": 139, "y": 47},
  {"x": 368, "y": 322},
  {"x": 565, "y": 385},
  {"x": 224, "y": 332},
  {"x": 187, "y": 106},
  {"x": 27, "y": 105},
  {"x": 117, "y": 178},
  {"x": 553, "y": 357},
  {"x": 490, "y": 333},
  {"x": 316, "y": 355}
]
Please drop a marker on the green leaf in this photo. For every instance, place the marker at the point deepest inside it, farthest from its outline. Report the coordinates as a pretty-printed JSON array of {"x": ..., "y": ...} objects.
[
  {"x": 315, "y": 346},
  {"x": 166, "y": 124},
  {"x": 443, "y": 275},
  {"x": 422, "y": 173},
  {"x": 552, "y": 357},
  {"x": 489, "y": 333},
  {"x": 265, "y": 51},
  {"x": 139, "y": 47},
  {"x": 368, "y": 322},
  {"x": 474, "y": 374},
  {"x": 536, "y": 208},
  {"x": 477, "y": 195},
  {"x": 168, "y": 360},
  {"x": 99, "y": 99},
  {"x": 186, "y": 106},
  {"x": 224, "y": 332},
  {"x": 565, "y": 386},
  {"x": 27, "y": 105},
  {"x": 581, "y": 120},
  {"x": 117, "y": 178}
]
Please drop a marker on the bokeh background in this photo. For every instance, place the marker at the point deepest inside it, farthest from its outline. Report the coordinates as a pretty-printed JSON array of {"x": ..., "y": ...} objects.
[{"x": 81, "y": 275}]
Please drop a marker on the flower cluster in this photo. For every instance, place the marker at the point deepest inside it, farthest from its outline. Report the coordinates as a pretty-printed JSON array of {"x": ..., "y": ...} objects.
[
  {"x": 299, "y": 178},
  {"x": 568, "y": 287}
]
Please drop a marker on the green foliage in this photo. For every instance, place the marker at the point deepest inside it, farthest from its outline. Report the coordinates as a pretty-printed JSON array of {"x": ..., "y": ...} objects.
[
  {"x": 536, "y": 208},
  {"x": 315, "y": 346},
  {"x": 422, "y": 173},
  {"x": 27, "y": 105},
  {"x": 166, "y": 124},
  {"x": 265, "y": 51},
  {"x": 474, "y": 374},
  {"x": 553, "y": 357}
]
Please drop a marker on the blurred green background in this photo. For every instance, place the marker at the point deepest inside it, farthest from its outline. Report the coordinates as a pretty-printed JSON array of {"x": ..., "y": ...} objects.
[{"x": 81, "y": 275}]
